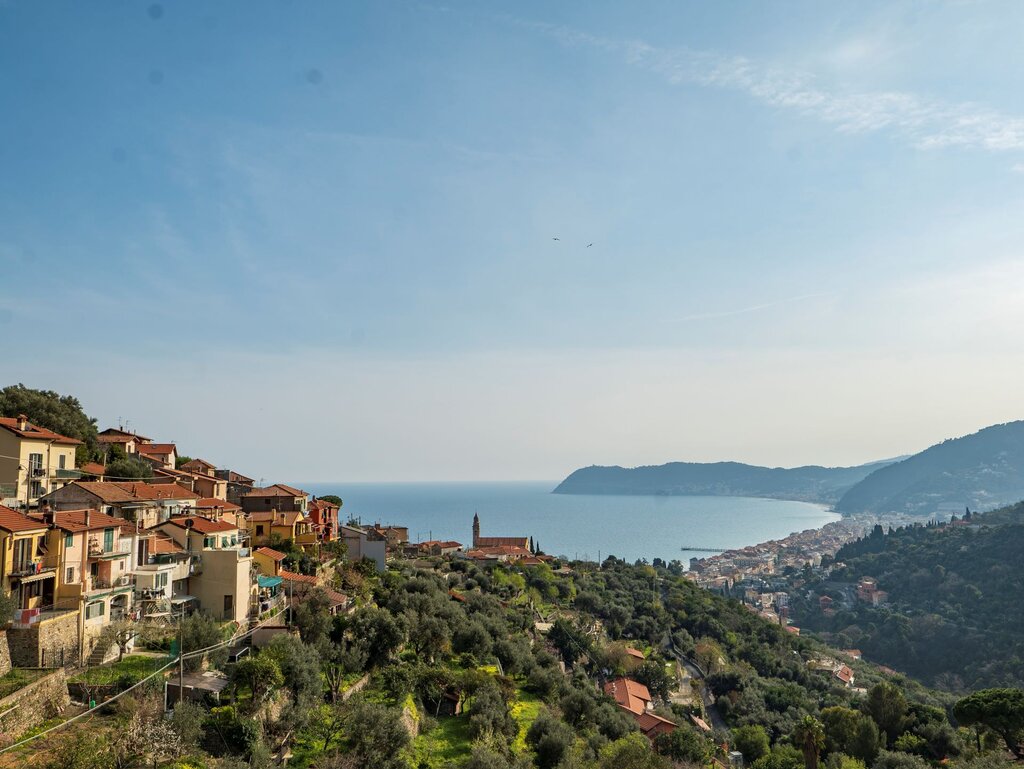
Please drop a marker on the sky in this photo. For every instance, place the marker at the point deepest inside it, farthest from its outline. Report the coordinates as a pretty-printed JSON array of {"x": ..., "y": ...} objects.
[{"x": 384, "y": 241}]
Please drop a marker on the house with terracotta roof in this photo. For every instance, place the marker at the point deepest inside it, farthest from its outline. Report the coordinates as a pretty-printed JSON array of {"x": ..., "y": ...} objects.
[
  {"x": 96, "y": 554},
  {"x": 498, "y": 553},
  {"x": 199, "y": 467},
  {"x": 629, "y": 695},
  {"x": 28, "y": 572},
  {"x": 634, "y": 698},
  {"x": 324, "y": 517},
  {"x": 201, "y": 484},
  {"x": 33, "y": 461},
  {"x": 144, "y": 503},
  {"x": 218, "y": 509},
  {"x": 278, "y": 497},
  {"x": 238, "y": 484},
  {"x": 438, "y": 547},
  {"x": 164, "y": 455},
  {"x": 221, "y": 578},
  {"x": 269, "y": 527}
]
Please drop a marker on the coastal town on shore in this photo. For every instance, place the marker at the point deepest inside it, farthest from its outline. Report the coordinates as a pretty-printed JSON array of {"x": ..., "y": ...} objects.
[{"x": 763, "y": 575}]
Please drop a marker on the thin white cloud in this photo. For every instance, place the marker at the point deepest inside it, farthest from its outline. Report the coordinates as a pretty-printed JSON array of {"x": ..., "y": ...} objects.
[
  {"x": 924, "y": 122},
  {"x": 752, "y": 308}
]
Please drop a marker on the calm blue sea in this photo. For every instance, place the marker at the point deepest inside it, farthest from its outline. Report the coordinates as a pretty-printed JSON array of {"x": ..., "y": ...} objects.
[{"x": 578, "y": 526}]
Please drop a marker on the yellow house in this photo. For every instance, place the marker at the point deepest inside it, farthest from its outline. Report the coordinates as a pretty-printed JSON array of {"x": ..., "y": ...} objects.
[
  {"x": 272, "y": 525},
  {"x": 28, "y": 574},
  {"x": 33, "y": 461}
]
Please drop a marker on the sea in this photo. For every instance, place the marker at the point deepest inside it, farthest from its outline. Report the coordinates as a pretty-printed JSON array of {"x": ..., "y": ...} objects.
[{"x": 580, "y": 526}]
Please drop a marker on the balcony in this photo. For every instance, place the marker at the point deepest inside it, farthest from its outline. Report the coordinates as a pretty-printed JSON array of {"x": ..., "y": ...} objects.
[
  {"x": 119, "y": 549},
  {"x": 31, "y": 568},
  {"x": 65, "y": 474},
  {"x": 105, "y": 583}
]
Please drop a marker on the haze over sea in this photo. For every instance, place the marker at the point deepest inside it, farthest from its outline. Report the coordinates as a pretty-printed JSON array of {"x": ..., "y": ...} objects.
[{"x": 579, "y": 526}]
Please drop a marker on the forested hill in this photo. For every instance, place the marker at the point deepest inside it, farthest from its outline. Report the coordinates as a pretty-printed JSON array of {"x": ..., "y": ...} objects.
[
  {"x": 952, "y": 617},
  {"x": 982, "y": 471},
  {"x": 809, "y": 484}
]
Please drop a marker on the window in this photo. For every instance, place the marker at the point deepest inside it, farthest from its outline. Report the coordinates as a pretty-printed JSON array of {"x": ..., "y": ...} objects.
[
  {"x": 209, "y": 542},
  {"x": 229, "y": 603},
  {"x": 108, "y": 540},
  {"x": 161, "y": 580},
  {"x": 36, "y": 489},
  {"x": 69, "y": 540},
  {"x": 259, "y": 530},
  {"x": 35, "y": 462},
  {"x": 95, "y": 609},
  {"x": 69, "y": 575},
  {"x": 22, "y": 554},
  {"x": 61, "y": 460}
]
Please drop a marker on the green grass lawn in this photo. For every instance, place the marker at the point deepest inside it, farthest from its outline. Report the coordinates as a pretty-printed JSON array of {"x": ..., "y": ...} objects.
[
  {"x": 19, "y": 677},
  {"x": 446, "y": 744},
  {"x": 525, "y": 709},
  {"x": 134, "y": 667}
]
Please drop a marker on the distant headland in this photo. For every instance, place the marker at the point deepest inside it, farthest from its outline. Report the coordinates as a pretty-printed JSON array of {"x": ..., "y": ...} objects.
[{"x": 982, "y": 471}]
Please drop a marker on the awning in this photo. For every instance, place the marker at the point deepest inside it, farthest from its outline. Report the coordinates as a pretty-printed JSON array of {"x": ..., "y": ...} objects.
[
  {"x": 36, "y": 577},
  {"x": 183, "y": 599},
  {"x": 263, "y": 581}
]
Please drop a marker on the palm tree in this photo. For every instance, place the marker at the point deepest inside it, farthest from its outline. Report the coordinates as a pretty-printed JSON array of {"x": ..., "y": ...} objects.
[{"x": 809, "y": 736}]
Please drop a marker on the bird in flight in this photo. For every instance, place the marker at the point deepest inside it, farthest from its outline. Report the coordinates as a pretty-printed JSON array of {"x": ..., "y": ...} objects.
[
  {"x": 589, "y": 245},
  {"x": 556, "y": 238}
]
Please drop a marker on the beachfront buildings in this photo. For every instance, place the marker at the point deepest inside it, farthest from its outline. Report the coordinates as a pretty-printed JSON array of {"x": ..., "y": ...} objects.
[{"x": 33, "y": 461}]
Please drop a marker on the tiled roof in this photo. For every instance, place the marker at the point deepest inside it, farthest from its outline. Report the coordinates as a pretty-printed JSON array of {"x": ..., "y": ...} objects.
[
  {"x": 635, "y": 653},
  {"x": 13, "y": 521},
  {"x": 501, "y": 541},
  {"x": 651, "y": 724},
  {"x": 207, "y": 503},
  {"x": 93, "y": 468},
  {"x": 165, "y": 545},
  {"x": 74, "y": 520},
  {"x": 630, "y": 694},
  {"x": 32, "y": 432},
  {"x": 280, "y": 517},
  {"x": 202, "y": 525},
  {"x": 111, "y": 432},
  {"x": 131, "y": 491},
  {"x": 276, "y": 490},
  {"x": 238, "y": 477},
  {"x": 271, "y": 553},
  {"x": 200, "y": 463},
  {"x": 157, "y": 448},
  {"x": 336, "y": 598},
  {"x": 292, "y": 576}
]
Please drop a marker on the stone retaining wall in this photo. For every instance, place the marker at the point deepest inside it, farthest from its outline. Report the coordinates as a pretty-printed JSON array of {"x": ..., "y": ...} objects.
[
  {"x": 33, "y": 704},
  {"x": 5, "y": 654},
  {"x": 49, "y": 643}
]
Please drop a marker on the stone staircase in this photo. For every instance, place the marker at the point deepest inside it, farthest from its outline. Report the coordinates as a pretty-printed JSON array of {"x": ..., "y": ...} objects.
[{"x": 102, "y": 647}]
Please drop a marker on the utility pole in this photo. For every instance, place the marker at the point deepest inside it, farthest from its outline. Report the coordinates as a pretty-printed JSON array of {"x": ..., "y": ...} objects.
[{"x": 181, "y": 656}]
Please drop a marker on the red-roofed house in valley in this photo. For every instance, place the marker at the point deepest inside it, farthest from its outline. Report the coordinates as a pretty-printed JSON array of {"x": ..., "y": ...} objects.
[
  {"x": 33, "y": 461},
  {"x": 221, "y": 579},
  {"x": 844, "y": 675},
  {"x": 629, "y": 695},
  {"x": 652, "y": 725},
  {"x": 145, "y": 503}
]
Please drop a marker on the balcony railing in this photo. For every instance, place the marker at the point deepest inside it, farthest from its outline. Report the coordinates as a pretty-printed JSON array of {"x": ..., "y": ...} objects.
[
  {"x": 120, "y": 547},
  {"x": 66, "y": 474},
  {"x": 28, "y": 568},
  {"x": 105, "y": 583}
]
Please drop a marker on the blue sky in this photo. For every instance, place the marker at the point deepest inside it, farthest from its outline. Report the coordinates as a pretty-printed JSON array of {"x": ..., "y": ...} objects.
[{"x": 228, "y": 221}]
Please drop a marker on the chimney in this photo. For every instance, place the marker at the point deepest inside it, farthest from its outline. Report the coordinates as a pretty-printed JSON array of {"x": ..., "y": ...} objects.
[
  {"x": 22, "y": 422},
  {"x": 87, "y": 515}
]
